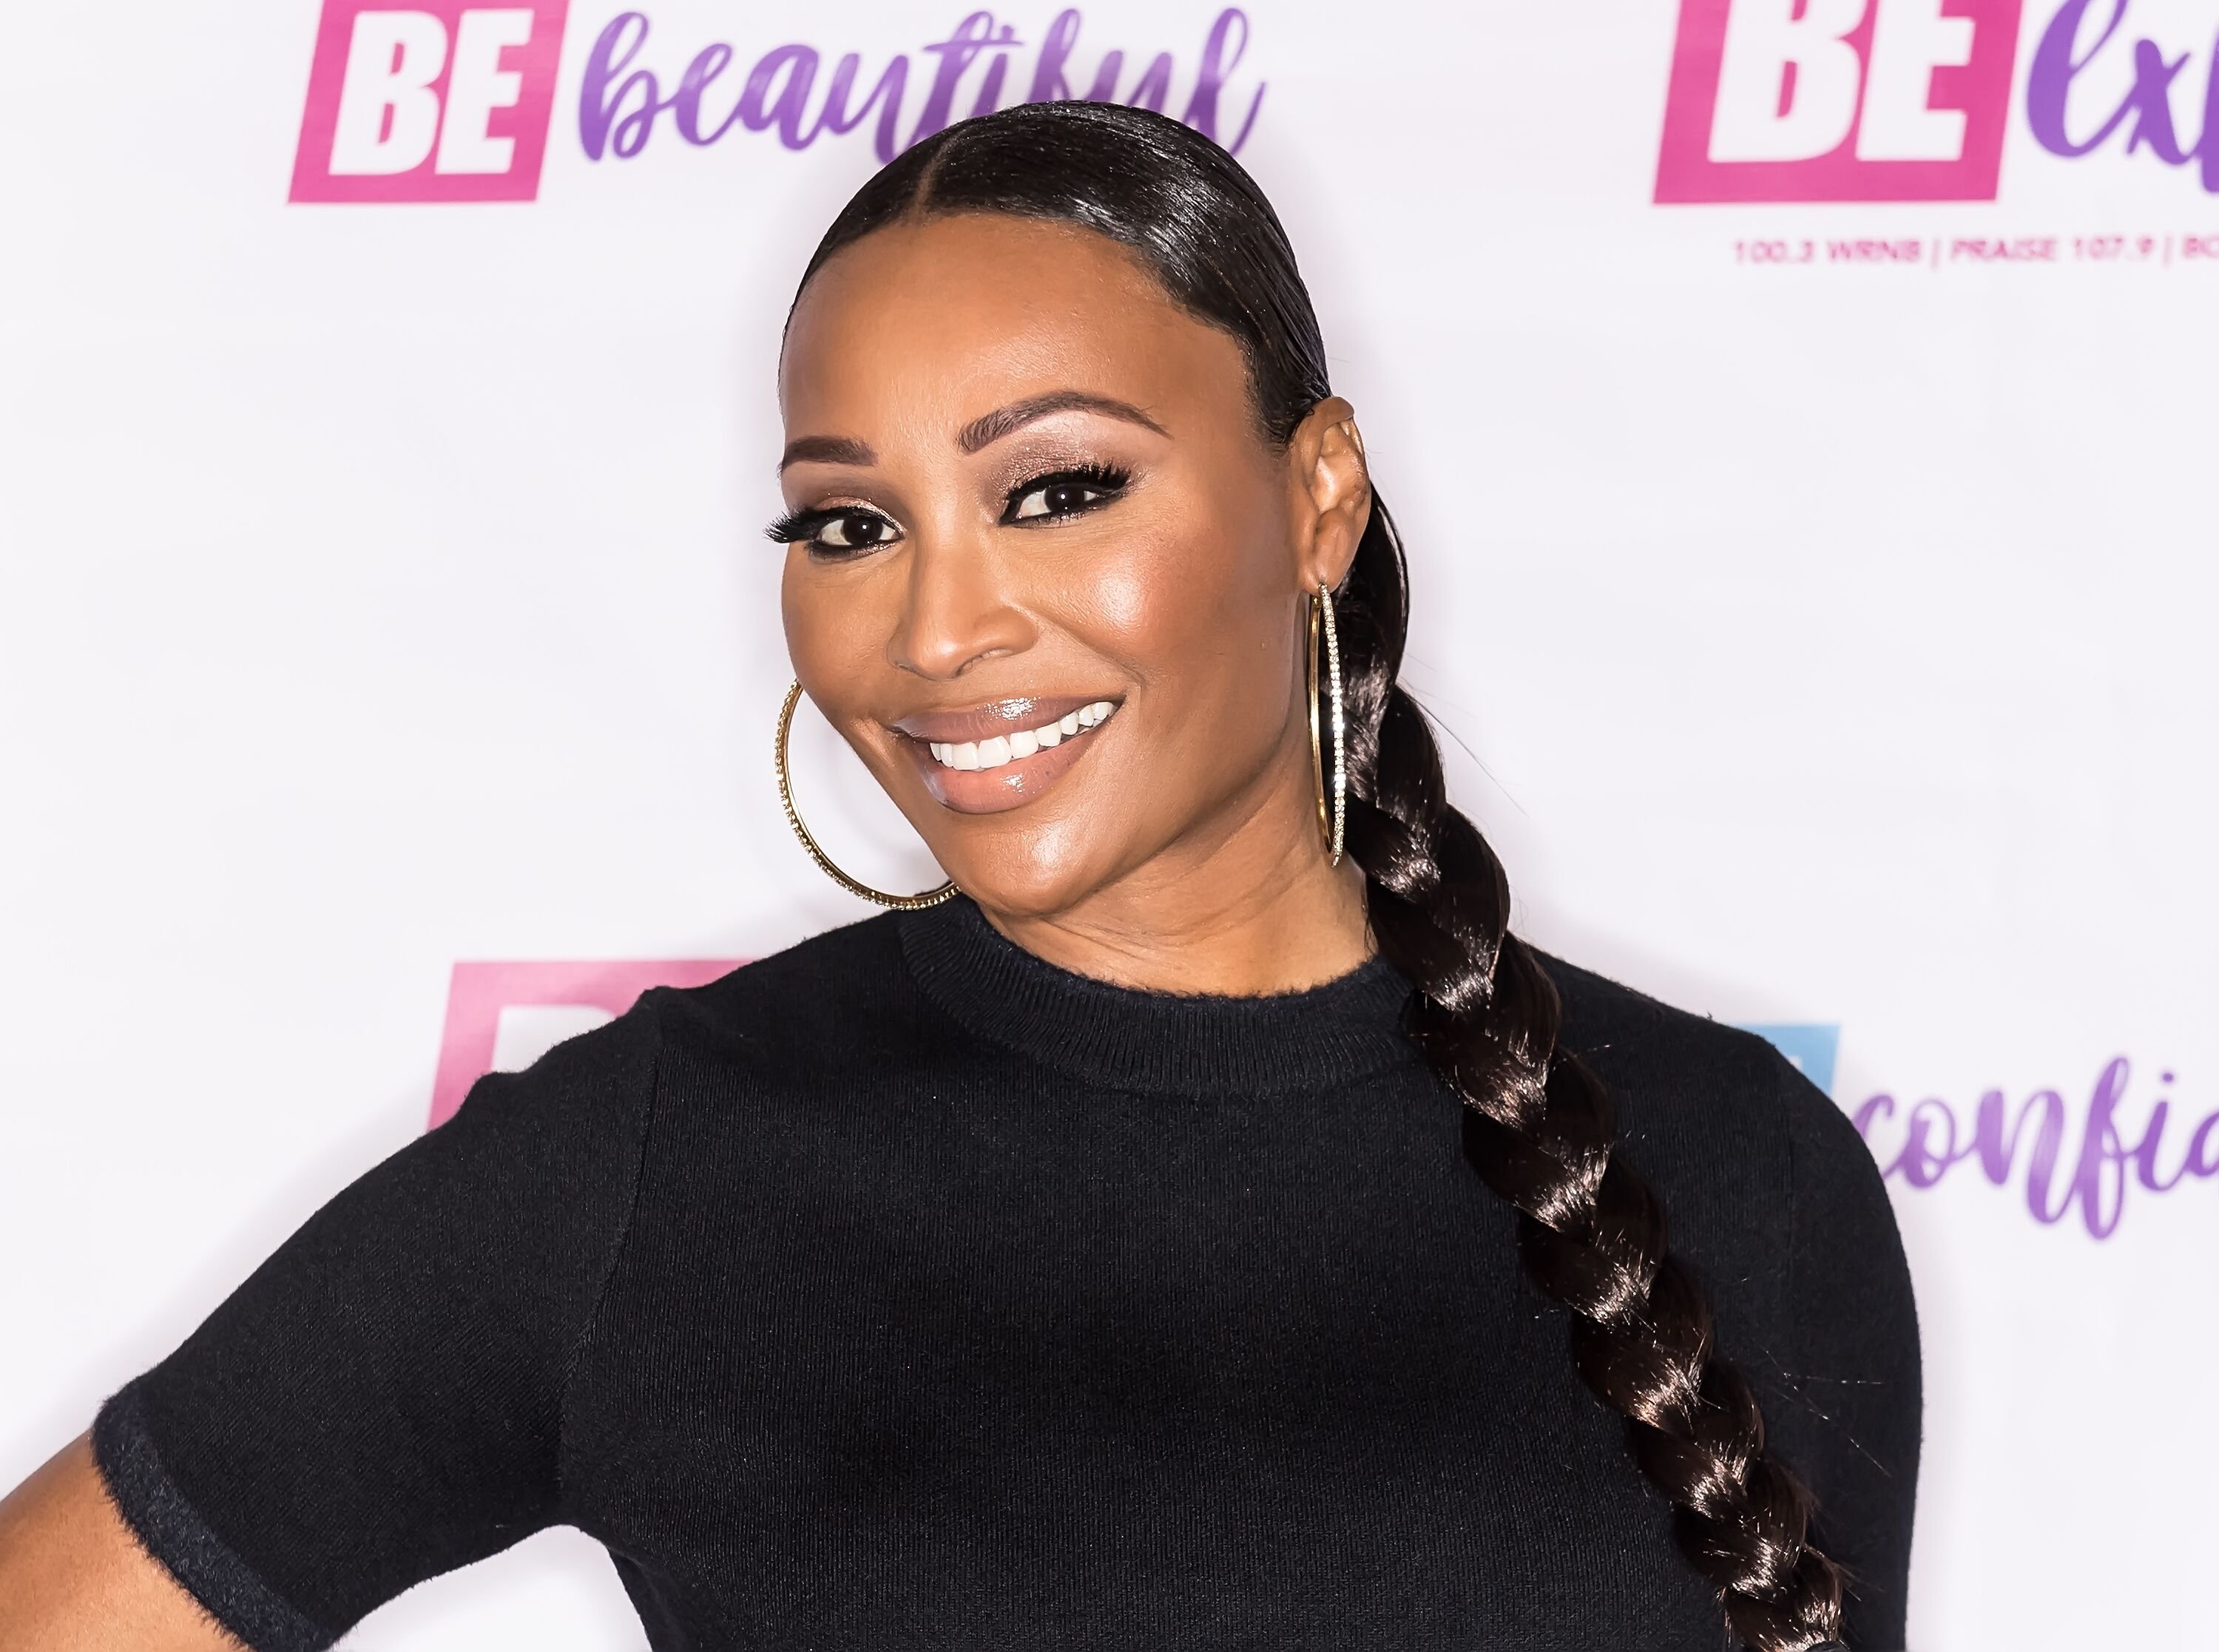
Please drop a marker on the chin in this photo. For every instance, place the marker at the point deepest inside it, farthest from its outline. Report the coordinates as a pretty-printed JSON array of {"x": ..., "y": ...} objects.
[
  {"x": 1027, "y": 888},
  {"x": 1029, "y": 870}
]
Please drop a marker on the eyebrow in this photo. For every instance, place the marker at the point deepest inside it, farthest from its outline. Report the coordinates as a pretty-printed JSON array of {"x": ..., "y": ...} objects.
[
  {"x": 826, "y": 449},
  {"x": 984, "y": 432},
  {"x": 981, "y": 432}
]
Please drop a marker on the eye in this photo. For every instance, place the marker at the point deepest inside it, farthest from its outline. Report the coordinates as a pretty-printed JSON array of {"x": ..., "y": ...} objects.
[
  {"x": 1065, "y": 493},
  {"x": 838, "y": 530},
  {"x": 853, "y": 530}
]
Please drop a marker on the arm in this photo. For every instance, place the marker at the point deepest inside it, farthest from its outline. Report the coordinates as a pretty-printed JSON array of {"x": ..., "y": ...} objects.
[
  {"x": 73, "y": 1578},
  {"x": 378, "y": 1403}
]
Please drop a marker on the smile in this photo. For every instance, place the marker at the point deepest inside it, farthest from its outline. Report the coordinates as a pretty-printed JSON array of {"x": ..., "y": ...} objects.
[
  {"x": 982, "y": 759},
  {"x": 969, "y": 756}
]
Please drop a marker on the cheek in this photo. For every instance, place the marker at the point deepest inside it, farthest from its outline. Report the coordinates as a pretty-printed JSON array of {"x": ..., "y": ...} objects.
[
  {"x": 827, "y": 634},
  {"x": 801, "y": 607},
  {"x": 1195, "y": 605}
]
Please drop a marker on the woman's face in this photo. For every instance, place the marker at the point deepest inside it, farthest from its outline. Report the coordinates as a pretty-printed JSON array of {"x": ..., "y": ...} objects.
[{"x": 1046, "y": 575}]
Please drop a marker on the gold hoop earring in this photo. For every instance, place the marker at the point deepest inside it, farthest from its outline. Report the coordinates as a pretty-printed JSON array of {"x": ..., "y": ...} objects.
[
  {"x": 824, "y": 862},
  {"x": 1333, "y": 819}
]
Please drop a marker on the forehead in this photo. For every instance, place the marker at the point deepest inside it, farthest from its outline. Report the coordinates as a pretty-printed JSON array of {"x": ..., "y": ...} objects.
[{"x": 939, "y": 320}]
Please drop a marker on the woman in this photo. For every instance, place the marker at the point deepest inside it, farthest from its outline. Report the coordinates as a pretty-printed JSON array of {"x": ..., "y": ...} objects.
[{"x": 1123, "y": 1252}]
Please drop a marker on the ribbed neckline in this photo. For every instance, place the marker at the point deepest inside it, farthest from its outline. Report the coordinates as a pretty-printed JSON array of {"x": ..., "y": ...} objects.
[{"x": 1126, "y": 1038}]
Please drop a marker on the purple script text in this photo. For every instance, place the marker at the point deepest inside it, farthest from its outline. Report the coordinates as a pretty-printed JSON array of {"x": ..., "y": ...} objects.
[
  {"x": 2060, "y": 58},
  {"x": 619, "y": 105},
  {"x": 2031, "y": 1142}
]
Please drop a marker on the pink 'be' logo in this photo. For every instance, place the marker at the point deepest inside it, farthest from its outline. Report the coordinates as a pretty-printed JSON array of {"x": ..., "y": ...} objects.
[
  {"x": 1838, "y": 100},
  {"x": 436, "y": 100}
]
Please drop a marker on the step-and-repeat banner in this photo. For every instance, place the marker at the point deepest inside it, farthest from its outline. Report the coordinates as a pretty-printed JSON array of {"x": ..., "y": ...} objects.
[{"x": 1800, "y": 411}]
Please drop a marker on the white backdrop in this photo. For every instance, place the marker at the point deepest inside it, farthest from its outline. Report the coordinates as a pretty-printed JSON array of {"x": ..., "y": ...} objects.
[{"x": 1826, "y": 627}]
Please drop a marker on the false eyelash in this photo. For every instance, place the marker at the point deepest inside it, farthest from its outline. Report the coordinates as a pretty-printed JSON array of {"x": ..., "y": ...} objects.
[
  {"x": 1108, "y": 477},
  {"x": 795, "y": 525}
]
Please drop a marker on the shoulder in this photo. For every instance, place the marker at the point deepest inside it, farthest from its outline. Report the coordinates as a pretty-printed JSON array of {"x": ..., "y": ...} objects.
[
  {"x": 820, "y": 1001},
  {"x": 1680, "y": 1075},
  {"x": 1764, "y": 1176},
  {"x": 1660, "y": 1048},
  {"x": 1771, "y": 1192},
  {"x": 837, "y": 999}
]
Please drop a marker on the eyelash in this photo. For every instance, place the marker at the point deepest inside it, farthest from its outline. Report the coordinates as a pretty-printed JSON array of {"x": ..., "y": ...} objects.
[
  {"x": 806, "y": 526},
  {"x": 1108, "y": 480}
]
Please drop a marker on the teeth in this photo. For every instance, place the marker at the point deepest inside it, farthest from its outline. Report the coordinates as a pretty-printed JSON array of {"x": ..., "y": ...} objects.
[{"x": 968, "y": 755}]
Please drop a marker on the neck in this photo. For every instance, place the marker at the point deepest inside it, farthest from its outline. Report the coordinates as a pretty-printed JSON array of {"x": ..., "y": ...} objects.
[{"x": 1251, "y": 908}]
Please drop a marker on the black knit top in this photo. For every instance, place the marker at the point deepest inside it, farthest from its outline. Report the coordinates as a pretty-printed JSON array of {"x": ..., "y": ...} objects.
[{"x": 903, "y": 1290}]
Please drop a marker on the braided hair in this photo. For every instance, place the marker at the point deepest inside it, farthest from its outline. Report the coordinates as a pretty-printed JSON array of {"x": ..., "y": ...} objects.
[{"x": 1538, "y": 1126}]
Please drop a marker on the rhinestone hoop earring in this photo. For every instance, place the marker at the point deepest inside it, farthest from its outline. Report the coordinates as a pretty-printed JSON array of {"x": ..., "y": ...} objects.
[
  {"x": 824, "y": 862},
  {"x": 1333, "y": 819}
]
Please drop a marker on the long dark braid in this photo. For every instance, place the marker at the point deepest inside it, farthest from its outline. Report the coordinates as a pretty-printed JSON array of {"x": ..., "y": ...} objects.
[{"x": 1538, "y": 1126}]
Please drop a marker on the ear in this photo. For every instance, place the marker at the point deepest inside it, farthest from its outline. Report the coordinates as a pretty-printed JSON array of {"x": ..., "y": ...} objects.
[{"x": 1332, "y": 490}]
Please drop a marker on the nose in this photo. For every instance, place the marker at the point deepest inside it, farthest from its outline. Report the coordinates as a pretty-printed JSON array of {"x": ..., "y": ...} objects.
[{"x": 956, "y": 611}]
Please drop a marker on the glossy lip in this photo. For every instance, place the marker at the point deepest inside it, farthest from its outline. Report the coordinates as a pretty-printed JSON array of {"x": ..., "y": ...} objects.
[{"x": 986, "y": 792}]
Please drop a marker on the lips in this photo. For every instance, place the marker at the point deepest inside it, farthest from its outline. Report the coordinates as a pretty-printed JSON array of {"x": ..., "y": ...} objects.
[
  {"x": 988, "y": 758},
  {"x": 1003, "y": 716}
]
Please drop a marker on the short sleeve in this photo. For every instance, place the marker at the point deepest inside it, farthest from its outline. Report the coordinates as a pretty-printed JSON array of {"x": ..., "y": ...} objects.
[
  {"x": 381, "y": 1401},
  {"x": 1849, "y": 1420}
]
